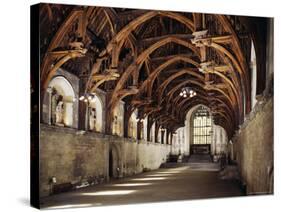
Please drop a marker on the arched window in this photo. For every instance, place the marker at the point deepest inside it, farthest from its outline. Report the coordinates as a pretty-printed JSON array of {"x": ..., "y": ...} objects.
[
  {"x": 253, "y": 66},
  {"x": 201, "y": 126}
]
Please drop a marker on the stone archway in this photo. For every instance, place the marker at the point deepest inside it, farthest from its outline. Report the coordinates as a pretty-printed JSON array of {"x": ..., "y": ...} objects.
[{"x": 114, "y": 167}]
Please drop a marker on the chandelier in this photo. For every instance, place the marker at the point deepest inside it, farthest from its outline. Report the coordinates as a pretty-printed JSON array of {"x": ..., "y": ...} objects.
[
  {"x": 187, "y": 92},
  {"x": 88, "y": 97}
]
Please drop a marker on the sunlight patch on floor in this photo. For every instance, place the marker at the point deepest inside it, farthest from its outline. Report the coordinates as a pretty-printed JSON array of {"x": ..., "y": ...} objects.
[
  {"x": 149, "y": 178},
  {"x": 109, "y": 193},
  {"x": 167, "y": 172},
  {"x": 74, "y": 206},
  {"x": 131, "y": 184},
  {"x": 159, "y": 175}
]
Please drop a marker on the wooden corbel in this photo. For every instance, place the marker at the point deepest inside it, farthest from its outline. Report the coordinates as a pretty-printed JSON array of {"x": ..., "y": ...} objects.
[{"x": 62, "y": 57}]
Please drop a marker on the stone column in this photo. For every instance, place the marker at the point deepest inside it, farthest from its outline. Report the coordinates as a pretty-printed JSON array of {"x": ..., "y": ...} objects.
[
  {"x": 81, "y": 105},
  {"x": 126, "y": 121},
  {"x": 166, "y": 137},
  {"x": 213, "y": 142},
  {"x": 145, "y": 129},
  {"x": 87, "y": 116},
  {"x": 49, "y": 93}
]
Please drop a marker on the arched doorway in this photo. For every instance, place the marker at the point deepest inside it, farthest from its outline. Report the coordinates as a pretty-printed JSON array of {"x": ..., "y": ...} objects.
[
  {"x": 113, "y": 165},
  {"x": 110, "y": 165},
  {"x": 201, "y": 131}
]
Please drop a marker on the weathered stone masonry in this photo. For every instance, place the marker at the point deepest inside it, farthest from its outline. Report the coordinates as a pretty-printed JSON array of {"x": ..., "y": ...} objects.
[
  {"x": 253, "y": 150},
  {"x": 72, "y": 157}
]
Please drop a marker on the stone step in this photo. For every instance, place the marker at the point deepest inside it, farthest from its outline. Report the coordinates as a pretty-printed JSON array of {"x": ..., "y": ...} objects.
[{"x": 200, "y": 159}]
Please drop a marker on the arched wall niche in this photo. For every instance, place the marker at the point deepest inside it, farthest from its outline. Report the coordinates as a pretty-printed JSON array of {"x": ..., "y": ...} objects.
[
  {"x": 61, "y": 88},
  {"x": 96, "y": 114},
  {"x": 118, "y": 119},
  {"x": 133, "y": 124},
  {"x": 145, "y": 128},
  {"x": 60, "y": 105},
  {"x": 173, "y": 142},
  {"x": 159, "y": 135},
  {"x": 179, "y": 142},
  {"x": 221, "y": 140},
  {"x": 152, "y": 132}
]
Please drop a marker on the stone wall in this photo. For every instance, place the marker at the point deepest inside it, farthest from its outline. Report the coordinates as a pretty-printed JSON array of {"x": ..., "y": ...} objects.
[
  {"x": 252, "y": 149},
  {"x": 73, "y": 156}
]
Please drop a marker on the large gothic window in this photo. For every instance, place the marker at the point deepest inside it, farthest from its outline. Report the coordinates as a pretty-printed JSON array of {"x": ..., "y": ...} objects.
[{"x": 201, "y": 126}]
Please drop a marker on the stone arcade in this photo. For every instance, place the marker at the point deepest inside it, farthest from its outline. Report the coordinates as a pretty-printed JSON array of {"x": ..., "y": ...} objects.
[{"x": 125, "y": 91}]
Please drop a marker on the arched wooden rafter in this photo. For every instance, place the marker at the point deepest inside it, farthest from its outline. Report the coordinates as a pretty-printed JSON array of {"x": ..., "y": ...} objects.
[
  {"x": 227, "y": 47},
  {"x": 46, "y": 72},
  {"x": 117, "y": 42},
  {"x": 241, "y": 58},
  {"x": 179, "y": 73},
  {"x": 141, "y": 58},
  {"x": 225, "y": 52}
]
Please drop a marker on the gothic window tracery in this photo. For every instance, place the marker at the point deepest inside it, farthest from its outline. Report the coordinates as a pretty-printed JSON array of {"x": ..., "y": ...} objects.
[{"x": 201, "y": 126}]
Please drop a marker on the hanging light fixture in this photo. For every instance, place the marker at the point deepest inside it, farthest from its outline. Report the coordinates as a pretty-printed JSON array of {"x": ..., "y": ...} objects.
[
  {"x": 187, "y": 92},
  {"x": 88, "y": 97}
]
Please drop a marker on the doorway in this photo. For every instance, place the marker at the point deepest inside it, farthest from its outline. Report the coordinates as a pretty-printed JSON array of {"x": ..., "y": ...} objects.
[
  {"x": 113, "y": 167},
  {"x": 110, "y": 165}
]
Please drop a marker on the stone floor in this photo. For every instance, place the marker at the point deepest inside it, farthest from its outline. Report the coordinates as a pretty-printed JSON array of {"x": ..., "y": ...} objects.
[{"x": 192, "y": 181}]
